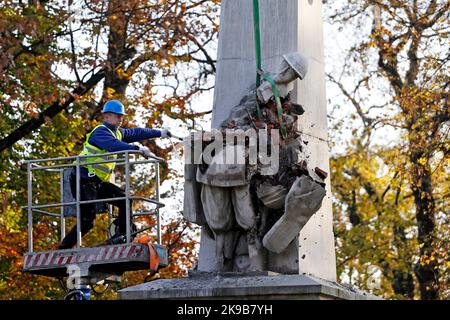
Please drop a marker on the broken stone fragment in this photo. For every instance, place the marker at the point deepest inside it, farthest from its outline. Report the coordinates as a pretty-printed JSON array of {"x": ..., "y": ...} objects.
[
  {"x": 289, "y": 120},
  {"x": 290, "y": 153},
  {"x": 241, "y": 115},
  {"x": 290, "y": 107},
  {"x": 259, "y": 124},
  {"x": 303, "y": 200},
  {"x": 297, "y": 109},
  {"x": 322, "y": 174},
  {"x": 317, "y": 178},
  {"x": 271, "y": 115},
  {"x": 272, "y": 196}
]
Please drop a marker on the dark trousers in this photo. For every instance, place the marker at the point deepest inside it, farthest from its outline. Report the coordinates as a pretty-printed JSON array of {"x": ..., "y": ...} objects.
[{"x": 92, "y": 189}]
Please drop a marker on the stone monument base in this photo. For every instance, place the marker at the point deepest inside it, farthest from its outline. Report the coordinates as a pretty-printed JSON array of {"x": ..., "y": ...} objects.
[{"x": 243, "y": 286}]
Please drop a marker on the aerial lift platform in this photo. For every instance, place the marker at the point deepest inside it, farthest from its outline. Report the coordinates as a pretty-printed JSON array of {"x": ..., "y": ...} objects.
[{"x": 84, "y": 266}]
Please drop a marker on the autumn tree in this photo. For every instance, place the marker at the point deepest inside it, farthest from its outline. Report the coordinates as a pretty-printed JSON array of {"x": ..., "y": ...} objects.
[
  {"x": 392, "y": 191},
  {"x": 59, "y": 62}
]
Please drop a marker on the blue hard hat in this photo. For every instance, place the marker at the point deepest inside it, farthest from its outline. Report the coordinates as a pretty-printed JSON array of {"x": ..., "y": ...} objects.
[{"x": 114, "y": 106}]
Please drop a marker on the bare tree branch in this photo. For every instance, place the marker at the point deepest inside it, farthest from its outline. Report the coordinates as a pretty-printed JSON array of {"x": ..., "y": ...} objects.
[{"x": 49, "y": 113}]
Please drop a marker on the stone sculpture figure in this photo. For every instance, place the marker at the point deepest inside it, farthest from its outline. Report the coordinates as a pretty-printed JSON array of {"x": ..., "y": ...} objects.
[{"x": 246, "y": 213}]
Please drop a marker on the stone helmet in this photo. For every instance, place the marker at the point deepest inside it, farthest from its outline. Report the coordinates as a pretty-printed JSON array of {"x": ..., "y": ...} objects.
[{"x": 298, "y": 62}]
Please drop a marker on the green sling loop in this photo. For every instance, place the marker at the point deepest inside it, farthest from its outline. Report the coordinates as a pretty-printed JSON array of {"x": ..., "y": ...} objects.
[
  {"x": 259, "y": 70},
  {"x": 276, "y": 94}
]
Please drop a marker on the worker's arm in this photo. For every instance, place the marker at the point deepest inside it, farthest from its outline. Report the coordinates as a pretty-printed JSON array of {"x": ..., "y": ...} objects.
[
  {"x": 139, "y": 134},
  {"x": 103, "y": 139}
]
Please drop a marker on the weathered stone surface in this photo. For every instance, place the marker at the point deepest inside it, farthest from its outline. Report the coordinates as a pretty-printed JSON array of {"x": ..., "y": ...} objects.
[
  {"x": 243, "y": 208},
  {"x": 286, "y": 26},
  {"x": 302, "y": 201},
  {"x": 223, "y": 175},
  {"x": 240, "y": 114},
  {"x": 192, "y": 207},
  {"x": 218, "y": 208},
  {"x": 259, "y": 285},
  {"x": 224, "y": 208},
  {"x": 272, "y": 196}
]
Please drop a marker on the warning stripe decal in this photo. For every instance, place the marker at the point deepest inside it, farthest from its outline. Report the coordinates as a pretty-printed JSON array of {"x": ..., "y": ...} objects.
[
  {"x": 101, "y": 254},
  {"x": 43, "y": 259},
  {"x": 53, "y": 259},
  {"x": 27, "y": 261},
  {"x": 110, "y": 250},
  {"x": 113, "y": 254},
  {"x": 46, "y": 259},
  {"x": 49, "y": 259},
  {"x": 33, "y": 262},
  {"x": 125, "y": 251}
]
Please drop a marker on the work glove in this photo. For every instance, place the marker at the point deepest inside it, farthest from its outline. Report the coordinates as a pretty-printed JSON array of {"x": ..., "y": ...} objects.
[
  {"x": 145, "y": 152},
  {"x": 165, "y": 133}
]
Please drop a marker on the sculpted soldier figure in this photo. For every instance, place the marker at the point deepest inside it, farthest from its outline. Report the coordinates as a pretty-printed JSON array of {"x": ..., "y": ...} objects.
[{"x": 246, "y": 212}]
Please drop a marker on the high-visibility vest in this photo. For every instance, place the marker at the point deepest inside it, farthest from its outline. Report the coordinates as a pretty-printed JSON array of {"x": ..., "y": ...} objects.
[{"x": 102, "y": 170}]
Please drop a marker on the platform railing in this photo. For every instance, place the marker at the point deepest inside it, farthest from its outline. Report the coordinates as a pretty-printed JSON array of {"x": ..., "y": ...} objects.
[{"x": 32, "y": 165}]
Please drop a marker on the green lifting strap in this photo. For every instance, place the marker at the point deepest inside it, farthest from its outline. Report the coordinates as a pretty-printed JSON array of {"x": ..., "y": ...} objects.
[
  {"x": 257, "y": 39},
  {"x": 276, "y": 94},
  {"x": 259, "y": 70},
  {"x": 258, "y": 49}
]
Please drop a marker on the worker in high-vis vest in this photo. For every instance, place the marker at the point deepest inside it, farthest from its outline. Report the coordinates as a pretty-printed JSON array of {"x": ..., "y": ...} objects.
[{"x": 95, "y": 179}]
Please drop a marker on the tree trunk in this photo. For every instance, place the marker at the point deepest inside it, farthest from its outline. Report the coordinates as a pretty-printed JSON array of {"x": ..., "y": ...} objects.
[
  {"x": 426, "y": 269},
  {"x": 403, "y": 280},
  {"x": 118, "y": 52}
]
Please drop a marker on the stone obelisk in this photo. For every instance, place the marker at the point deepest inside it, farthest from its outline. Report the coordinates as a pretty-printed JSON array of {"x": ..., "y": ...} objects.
[{"x": 286, "y": 26}]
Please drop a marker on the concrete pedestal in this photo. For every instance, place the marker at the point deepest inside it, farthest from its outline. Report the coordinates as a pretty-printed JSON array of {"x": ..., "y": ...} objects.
[{"x": 249, "y": 286}]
